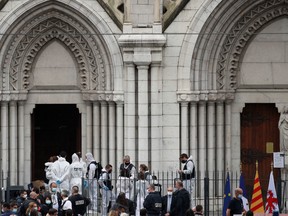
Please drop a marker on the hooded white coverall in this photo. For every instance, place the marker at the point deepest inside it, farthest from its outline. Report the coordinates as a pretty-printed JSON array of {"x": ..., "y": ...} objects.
[
  {"x": 92, "y": 182},
  {"x": 76, "y": 173},
  {"x": 60, "y": 172}
]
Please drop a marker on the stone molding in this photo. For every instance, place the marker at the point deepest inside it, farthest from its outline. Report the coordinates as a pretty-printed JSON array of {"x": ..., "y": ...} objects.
[
  {"x": 103, "y": 96},
  {"x": 239, "y": 36},
  {"x": 204, "y": 96},
  {"x": 54, "y": 25}
]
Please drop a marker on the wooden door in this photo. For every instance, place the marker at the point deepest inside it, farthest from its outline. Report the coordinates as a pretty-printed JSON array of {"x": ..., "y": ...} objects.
[{"x": 259, "y": 128}]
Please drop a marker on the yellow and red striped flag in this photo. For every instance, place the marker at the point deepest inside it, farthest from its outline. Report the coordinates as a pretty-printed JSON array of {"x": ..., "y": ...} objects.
[{"x": 257, "y": 205}]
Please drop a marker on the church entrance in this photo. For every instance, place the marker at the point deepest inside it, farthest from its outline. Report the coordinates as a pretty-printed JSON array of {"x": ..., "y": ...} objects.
[
  {"x": 259, "y": 139},
  {"x": 55, "y": 128}
]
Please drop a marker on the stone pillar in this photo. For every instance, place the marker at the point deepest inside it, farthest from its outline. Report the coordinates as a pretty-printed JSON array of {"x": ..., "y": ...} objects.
[
  {"x": 96, "y": 131},
  {"x": 130, "y": 132},
  {"x": 4, "y": 139},
  {"x": 27, "y": 142},
  {"x": 21, "y": 149},
  {"x": 184, "y": 127},
  {"x": 120, "y": 133},
  {"x": 127, "y": 11},
  {"x": 157, "y": 17},
  {"x": 220, "y": 136},
  {"x": 143, "y": 114},
  {"x": 228, "y": 134},
  {"x": 220, "y": 143},
  {"x": 112, "y": 133},
  {"x": 211, "y": 139},
  {"x": 104, "y": 133},
  {"x": 202, "y": 139},
  {"x": 84, "y": 129},
  {"x": 156, "y": 119},
  {"x": 193, "y": 131},
  {"x": 89, "y": 127},
  {"x": 13, "y": 159}
]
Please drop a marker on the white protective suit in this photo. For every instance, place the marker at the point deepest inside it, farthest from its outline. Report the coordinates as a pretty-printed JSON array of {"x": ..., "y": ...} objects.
[
  {"x": 189, "y": 183},
  {"x": 141, "y": 193},
  {"x": 92, "y": 182},
  {"x": 125, "y": 185},
  {"x": 60, "y": 172},
  {"x": 76, "y": 173},
  {"x": 48, "y": 172}
]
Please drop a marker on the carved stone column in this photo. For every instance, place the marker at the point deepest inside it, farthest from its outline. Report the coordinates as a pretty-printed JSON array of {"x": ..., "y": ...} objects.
[
  {"x": 220, "y": 136},
  {"x": 4, "y": 139},
  {"x": 120, "y": 131},
  {"x": 112, "y": 133},
  {"x": 211, "y": 138},
  {"x": 228, "y": 134},
  {"x": 96, "y": 130},
  {"x": 184, "y": 127},
  {"x": 194, "y": 131},
  {"x": 202, "y": 138},
  {"x": 89, "y": 127},
  {"x": 143, "y": 118},
  {"x": 104, "y": 133},
  {"x": 130, "y": 118},
  {"x": 21, "y": 163},
  {"x": 13, "y": 159}
]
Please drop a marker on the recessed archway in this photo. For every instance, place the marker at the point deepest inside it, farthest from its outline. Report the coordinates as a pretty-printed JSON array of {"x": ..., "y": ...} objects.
[{"x": 55, "y": 127}]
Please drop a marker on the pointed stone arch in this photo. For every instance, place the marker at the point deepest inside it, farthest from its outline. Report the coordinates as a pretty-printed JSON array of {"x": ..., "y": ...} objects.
[
  {"x": 26, "y": 46},
  {"x": 97, "y": 60},
  {"x": 222, "y": 41}
]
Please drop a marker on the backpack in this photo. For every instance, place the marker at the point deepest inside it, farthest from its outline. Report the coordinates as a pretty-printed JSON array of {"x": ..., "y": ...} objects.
[{"x": 98, "y": 169}]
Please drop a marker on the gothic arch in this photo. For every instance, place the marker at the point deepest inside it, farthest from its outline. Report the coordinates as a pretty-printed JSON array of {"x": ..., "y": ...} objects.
[
  {"x": 223, "y": 39},
  {"x": 96, "y": 59}
]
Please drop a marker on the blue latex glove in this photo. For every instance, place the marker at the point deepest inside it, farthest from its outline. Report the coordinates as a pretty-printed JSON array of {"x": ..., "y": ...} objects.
[
  {"x": 58, "y": 182},
  {"x": 105, "y": 188},
  {"x": 85, "y": 183}
]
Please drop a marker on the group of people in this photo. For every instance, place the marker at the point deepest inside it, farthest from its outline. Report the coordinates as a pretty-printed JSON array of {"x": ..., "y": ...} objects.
[
  {"x": 47, "y": 202},
  {"x": 135, "y": 192}
]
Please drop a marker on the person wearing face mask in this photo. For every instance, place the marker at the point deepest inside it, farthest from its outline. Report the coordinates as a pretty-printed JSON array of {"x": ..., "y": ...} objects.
[
  {"x": 46, "y": 204},
  {"x": 76, "y": 172},
  {"x": 21, "y": 198},
  {"x": 106, "y": 188},
  {"x": 31, "y": 199},
  {"x": 187, "y": 174},
  {"x": 92, "y": 175},
  {"x": 166, "y": 202},
  {"x": 55, "y": 196},
  {"x": 129, "y": 171},
  {"x": 153, "y": 202},
  {"x": 236, "y": 204}
]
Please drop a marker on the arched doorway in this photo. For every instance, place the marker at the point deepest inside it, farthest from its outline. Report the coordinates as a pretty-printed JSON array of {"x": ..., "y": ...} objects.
[
  {"x": 55, "y": 127},
  {"x": 259, "y": 139}
]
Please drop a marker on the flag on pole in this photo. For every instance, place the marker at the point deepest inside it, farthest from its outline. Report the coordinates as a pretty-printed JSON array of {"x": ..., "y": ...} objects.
[
  {"x": 272, "y": 201},
  {"x": 257, "y": 199},
  {"x": 244, "y": 197},
  {"x": 227, "y": 195}
]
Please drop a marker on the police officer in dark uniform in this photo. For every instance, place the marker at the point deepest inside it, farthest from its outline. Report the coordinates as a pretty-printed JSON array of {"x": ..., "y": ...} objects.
[
  {"x": 153, "y": 202},
  {"x": 79, "y": 202}
]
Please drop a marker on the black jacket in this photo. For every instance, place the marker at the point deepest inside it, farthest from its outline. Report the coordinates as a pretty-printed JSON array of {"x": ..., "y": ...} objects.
[
  {"x": 180, "y": 202},
  {"x": 79, "y": 204},
  {"x": 164, "y": 205},
  {"x": 153, "y": 203}
]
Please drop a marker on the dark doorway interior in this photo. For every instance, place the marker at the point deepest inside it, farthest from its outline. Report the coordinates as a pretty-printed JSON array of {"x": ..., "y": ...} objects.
[{"x": 54, "y": 128}]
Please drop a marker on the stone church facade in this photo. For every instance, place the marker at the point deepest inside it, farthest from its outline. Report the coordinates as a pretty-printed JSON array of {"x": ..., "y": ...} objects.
[{"x": 147, "y": 78}]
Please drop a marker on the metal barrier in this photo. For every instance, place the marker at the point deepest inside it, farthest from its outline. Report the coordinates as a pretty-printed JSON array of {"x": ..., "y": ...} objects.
[{"x": 208, "y": 190}]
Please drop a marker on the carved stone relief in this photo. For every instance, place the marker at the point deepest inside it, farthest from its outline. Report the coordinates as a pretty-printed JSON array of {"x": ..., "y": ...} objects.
[
  {"x": 54, "y": 25},
  {"x": 239, "y": 36}
]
